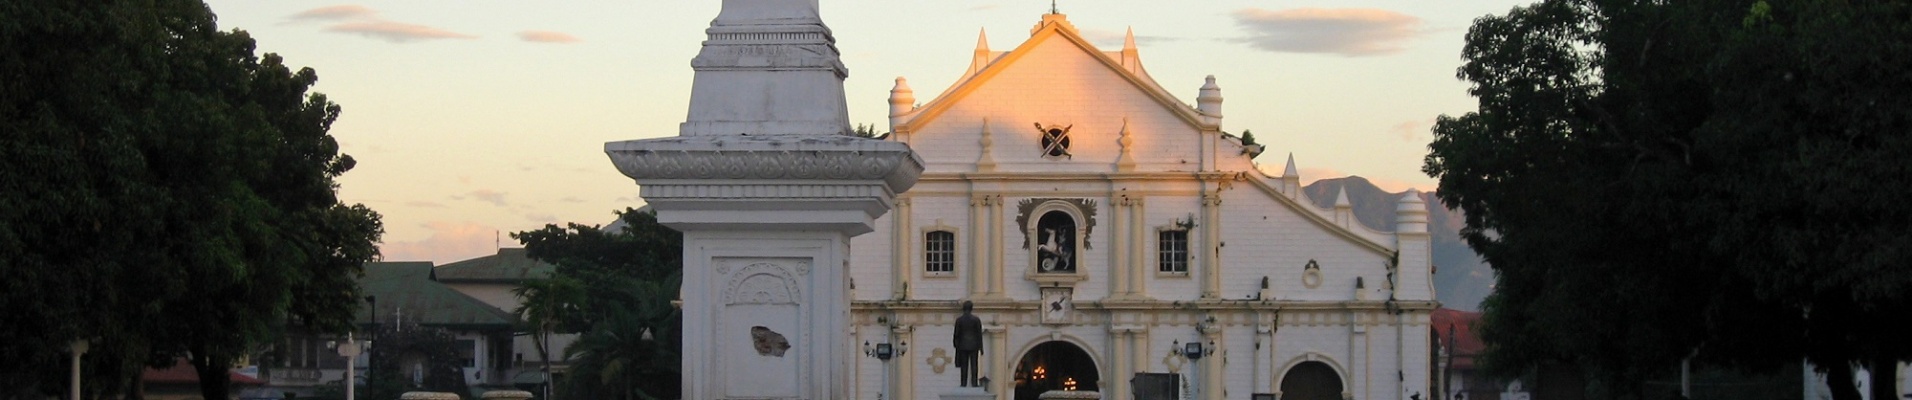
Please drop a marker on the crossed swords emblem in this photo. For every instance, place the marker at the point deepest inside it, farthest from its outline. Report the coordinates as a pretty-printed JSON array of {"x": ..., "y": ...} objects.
[{"x": 1055, "y": 140}]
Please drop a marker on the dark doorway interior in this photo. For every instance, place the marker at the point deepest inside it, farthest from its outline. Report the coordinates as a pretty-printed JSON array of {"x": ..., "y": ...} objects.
[
  {"x": 1055, "y": 365},
  {"x": 1311, "y": 380}
]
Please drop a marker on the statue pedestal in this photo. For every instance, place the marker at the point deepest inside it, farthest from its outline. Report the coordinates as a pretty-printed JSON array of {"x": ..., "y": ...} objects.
[{"x": 968, "y": 393}]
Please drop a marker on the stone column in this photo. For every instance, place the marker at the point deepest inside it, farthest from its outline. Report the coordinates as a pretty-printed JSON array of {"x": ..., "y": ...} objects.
[
  {"x": 1211, "y": 245},
  {"x": 767, "y": 187},
  {"x": 996, "y": 248},
  {"x": 902, "y": 371},
  {"x": 1138, "y": 247},
  {"x": 996, "y": 353},
  {"x": 1211, "y": 364},
  {"x": 1116, "y": 382},
  {"x": 902, "y": 257},
  {"x": 1139, "y": 343},
  {"x": 979, "y": 274},
  {"x": 1119, "y": 272}
]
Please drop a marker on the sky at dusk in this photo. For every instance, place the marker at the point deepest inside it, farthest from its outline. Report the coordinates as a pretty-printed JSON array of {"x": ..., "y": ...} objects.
[{"x": 473, "y": 119}]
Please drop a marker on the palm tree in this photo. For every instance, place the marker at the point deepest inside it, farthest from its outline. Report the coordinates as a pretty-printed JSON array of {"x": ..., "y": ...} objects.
[
  {"x": 631, "y": 353},
  {"x": 549, "y": 306}
]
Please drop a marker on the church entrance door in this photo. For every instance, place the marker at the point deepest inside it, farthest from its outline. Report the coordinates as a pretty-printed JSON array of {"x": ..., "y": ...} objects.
[
  {"x": 1055, "y": 365},
  {"x": 1312, "y": 380}
]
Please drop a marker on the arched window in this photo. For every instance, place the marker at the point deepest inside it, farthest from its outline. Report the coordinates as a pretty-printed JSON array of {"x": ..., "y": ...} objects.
[
  {"x": 1056, "y": 243},
  {"x": 939, "y": 252}
]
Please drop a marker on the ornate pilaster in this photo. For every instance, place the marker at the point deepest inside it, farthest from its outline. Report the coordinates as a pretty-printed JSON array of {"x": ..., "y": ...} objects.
[
  {"x": 1137, "y": 245},
  {"x": 902, "y": 370},
  {"x": 999, "y": 371},
  {"x": 1213, "y": 364},
  {"x": 902, "y": 257},
  {"x": 996, "y": 250},
  {"x": 1211, "y": 245},
  {"x": 979, "y": 273}
]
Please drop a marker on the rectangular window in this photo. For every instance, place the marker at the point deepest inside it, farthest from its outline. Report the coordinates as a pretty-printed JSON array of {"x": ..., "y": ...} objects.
[
  {"x": 1171, "y": 248},
  {"x": 939, "y": 252},
  {"x": 467, "y": 352}
]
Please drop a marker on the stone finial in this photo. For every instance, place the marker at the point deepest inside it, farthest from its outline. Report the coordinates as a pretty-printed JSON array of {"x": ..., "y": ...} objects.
[
  {"x": 1210, "y": 100},
  {"x": 987, "y": 162},
  {"x": 982, "y": 55},
  {"x": 1341, "y": 198},
  {"x": 1291, "y": 178},
  {"x": 902, "y": 101},
  {"x": 1125, "y": 162},
  {"x": 1131, "y": 58},
  {"x": 1410, "y": 213}
]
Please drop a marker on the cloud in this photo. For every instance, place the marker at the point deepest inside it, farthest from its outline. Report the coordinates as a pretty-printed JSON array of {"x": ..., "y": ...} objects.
[
  {"x": 449, "y": 241},
  {"x": 488, "y": 195},
  {"x": 542, "y": 218},
  {"x": 548, "y": 37},
  {"x": 1113, "y": 40},
  {"x": 396, "y": 32},
  {"x": 364, "y": 21},
  {"x": 1351, "y": 32},
  {"x": 333, "y": 13},
  {"x": 425, "y": 204},
  {"x": 571, "y": 199}
]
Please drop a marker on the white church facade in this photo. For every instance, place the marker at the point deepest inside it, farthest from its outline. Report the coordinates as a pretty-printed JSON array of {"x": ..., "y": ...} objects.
[{"x": 1106, "y": 230}]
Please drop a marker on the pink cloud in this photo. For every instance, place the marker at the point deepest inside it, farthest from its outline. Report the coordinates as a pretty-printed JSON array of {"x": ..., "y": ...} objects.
[
  {"x": 449, "y": 241},
  {"x": 338, "y": 12},
  {"x": 365, "y": 21},
  {"x": 396, "y": 32},
  {"x": 1351, "y": 32},
  {"x": 548, "y": 37}
]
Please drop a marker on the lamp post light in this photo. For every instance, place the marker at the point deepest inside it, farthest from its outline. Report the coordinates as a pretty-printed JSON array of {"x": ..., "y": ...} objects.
[{"x": 350, "y": 350}]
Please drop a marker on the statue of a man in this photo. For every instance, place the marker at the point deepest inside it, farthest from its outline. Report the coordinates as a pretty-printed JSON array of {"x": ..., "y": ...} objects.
[{"x": 969, "y": 344}]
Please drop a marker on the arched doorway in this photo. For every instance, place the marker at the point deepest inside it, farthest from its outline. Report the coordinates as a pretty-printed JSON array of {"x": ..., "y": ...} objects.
[
  {"x": 1311, "y": 380},
  {"x": 1054, "y": 365}
]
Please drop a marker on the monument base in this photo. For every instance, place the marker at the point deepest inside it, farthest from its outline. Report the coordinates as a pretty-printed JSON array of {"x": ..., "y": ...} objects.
[{"x": 968, "y": 393}]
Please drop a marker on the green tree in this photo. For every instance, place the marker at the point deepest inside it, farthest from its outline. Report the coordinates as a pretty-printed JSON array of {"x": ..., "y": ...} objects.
[
  {"x": 868, "y": 131},
  {"x": 166, "y": 193},
  {"x": 1714, "y": 179},
  {"x": 613, "y": 285}
]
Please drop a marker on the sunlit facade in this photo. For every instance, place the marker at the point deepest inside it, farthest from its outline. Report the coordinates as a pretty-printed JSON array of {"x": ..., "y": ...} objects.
[{"x": 1107, "y": 232}]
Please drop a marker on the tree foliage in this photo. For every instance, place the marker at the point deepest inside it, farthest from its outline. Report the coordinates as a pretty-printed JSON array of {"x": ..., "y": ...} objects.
[
  {"x": 1653, "y": 180},
  {"x": 613, "y": 285},
  {"x": 163, "y": 192}
]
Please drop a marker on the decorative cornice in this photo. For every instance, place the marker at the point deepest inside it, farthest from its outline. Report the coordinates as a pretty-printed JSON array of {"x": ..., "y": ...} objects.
[{"x": 776, "y": 157}]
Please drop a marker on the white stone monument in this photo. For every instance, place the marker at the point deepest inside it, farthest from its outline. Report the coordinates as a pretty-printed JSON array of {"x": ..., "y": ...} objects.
[{"x": 767, "y": 185}]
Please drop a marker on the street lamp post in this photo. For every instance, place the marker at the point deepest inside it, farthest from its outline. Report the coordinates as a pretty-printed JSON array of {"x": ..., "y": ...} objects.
[
  {"x": 78, "y": 348},
  {"x": 350, "y": 350}
]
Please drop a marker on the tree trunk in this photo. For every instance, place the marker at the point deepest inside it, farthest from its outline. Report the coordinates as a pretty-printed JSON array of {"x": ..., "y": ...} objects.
[
  {"x": 1885, "y": 378},
  {"x": 1839, "y": 381},
  {"x": 215, "y": 383}
]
